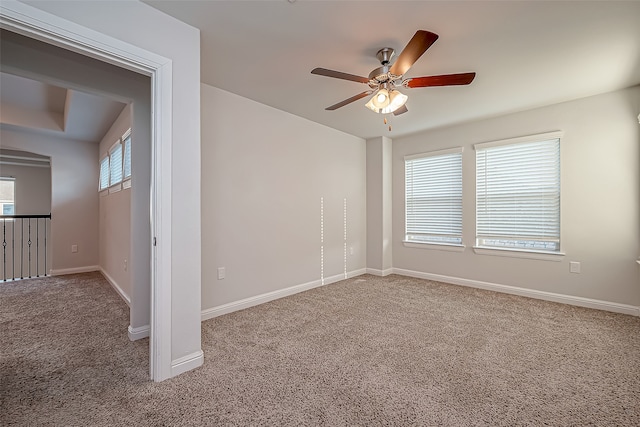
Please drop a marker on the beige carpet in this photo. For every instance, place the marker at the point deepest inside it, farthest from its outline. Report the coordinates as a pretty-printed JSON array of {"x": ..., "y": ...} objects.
[{"x": 365, "y": 351}]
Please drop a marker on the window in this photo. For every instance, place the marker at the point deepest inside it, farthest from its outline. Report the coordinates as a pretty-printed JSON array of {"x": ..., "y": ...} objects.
[
  {"x": 518, "y": 194},
  {"x": 127, "y": 159},
  {"x": 104, "y": 173},
  {"x": 127, "y": 154},
  {"x": 115, "y": 164},
  {"x": 7, "y": 196},
  {"x": 433, "y": 197}
]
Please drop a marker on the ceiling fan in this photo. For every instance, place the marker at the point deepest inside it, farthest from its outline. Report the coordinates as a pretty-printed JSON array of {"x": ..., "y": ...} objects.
[{"x": 385, "y": 79}]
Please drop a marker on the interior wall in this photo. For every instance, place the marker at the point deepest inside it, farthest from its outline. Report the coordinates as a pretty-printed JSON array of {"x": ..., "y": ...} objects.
[
  {"x": 379, "y": 206},
  {"x": 600, "y": 200},
  {"x": 264, "y": 173},
  {"x": 73, "y": 194},
  {"x": 32, "y": 188},
  {"x": 115, "y": 216}
]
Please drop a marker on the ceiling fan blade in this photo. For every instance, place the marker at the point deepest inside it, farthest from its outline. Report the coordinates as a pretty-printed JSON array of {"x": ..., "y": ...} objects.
[
  {"x": 339, "y": 75},
  {"x": 350, "y": 100},
  {"x": 444, "y": 80},
  {"x": 400, "y": 110},
  {"x": 419, "y": 43}
]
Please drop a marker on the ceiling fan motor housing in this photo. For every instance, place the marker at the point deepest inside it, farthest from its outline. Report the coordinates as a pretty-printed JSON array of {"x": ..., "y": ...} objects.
[{"x": 381, "y": 75}]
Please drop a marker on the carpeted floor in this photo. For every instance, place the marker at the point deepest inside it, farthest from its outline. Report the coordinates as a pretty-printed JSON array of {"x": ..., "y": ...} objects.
[{"x": 366, "y": 351}]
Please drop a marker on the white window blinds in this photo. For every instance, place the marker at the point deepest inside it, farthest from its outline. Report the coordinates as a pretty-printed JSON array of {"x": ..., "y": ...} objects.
[
  {"x": 115, "y": 169},
  {"x": 104, "y": 173},
  {"x": 127, "y": 155},
  {"x": 433, "y": 197},
  {"x": 518, "y": 194}
]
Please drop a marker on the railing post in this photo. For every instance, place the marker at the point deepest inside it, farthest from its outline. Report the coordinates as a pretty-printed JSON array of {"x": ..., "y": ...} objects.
[{"x": 4, "y": 248}]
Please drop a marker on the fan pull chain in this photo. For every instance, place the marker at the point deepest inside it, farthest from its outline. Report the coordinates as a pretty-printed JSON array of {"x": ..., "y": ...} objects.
[{"x": 387, "y": 121}]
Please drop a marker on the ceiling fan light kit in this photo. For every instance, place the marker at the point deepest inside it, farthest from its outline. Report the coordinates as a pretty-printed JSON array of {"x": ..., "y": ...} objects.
[
  {"x": 385, "y": 102},
  {"x": 384, "y": 80}
]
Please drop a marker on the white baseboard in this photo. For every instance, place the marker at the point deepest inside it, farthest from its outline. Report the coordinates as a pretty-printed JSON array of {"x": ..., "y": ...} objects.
[
  {"x": 187, "y": 363},
  {"x": 531, "y": 293},
  {"x": 356, "y": 273},
  {"x": 139, "y": 332},
  {"x": 380, "y": 273},
  {"x": 115, "y": 286},
  {"x": 75, "y": 270},
  {"x": 210, "y": 313}
]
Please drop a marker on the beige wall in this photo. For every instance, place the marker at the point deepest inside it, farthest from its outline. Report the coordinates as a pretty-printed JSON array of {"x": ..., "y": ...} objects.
[
  {"x": 263, "y": 174},
  {"x": 74, "y": 199},
  {"x": 32, "y": 188},
  {"x": 379, "y": 206},
  {"x": 600, "y": 203},
  {"x": 115, "y": 217}
]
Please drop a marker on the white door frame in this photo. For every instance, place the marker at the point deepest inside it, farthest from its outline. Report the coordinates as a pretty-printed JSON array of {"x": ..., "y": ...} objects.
[{"x": 37, "y": 24}]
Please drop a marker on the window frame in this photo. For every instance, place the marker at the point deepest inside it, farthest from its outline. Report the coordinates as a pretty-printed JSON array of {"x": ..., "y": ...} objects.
[
  {"x": 434, "y": 244},
  {"x": 115, "y": 186},
  {"x": 13, "y": 180},
  {"x": 517, "y": 252},
  {"x": 126, "y": 179},
  {"x": 102, "y": 189}
]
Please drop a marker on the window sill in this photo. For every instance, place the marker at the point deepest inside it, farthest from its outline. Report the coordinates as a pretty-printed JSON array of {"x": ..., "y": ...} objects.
[
  {"x": 435, "y": 246},
  {"x": 126, "y": 184},
  {"x": 519, "y": 253},
  {"x": 115, "y": 188},
  {"x": 104, "y": 192}
]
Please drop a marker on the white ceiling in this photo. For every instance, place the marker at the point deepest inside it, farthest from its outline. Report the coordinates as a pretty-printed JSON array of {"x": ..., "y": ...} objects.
[
  {"x": 526, "y": 54},
  {"x": 35, "y": 106}
]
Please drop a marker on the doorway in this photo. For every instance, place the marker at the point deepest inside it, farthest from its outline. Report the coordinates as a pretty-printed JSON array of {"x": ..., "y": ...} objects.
[{"x": 155, "y": 293}]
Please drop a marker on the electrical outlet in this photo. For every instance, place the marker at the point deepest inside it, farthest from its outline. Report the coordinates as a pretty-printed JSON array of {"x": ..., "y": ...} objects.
[
  {"x": 125, "y": 265},
  {"x": 74, "y": 249},
  {"x": 221, "y": 273},
  {"x": 574, "y": 267}
]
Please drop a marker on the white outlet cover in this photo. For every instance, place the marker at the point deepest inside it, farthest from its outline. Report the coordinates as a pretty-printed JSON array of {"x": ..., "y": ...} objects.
[{"x": 574, "y": 267}]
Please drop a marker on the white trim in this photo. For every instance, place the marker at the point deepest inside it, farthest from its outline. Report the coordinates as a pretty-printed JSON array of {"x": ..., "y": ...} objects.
[
  {"x": 454, "y": 150},
  {"x": 75, "y": 270},
  {"x": 138, "y": 333},
  {"x": 31, "y": 165},
  {"x": 519, "y": 140},
  {"x": 210, "y": 313},
  {"x": 113, "y": 147},
  {"x": 530, "y": 293},
  {"x": 187, "y": 363},
  {"x": 115, "y": 188},
  {"x": 35, "y": 23},
  {"x": 33, "y": 159},
  {"x": 126, "y": 183},
  {"x": 519, "y": 253},
  {"x": 115, "y": 286},
  {"x": 435, "y": 246},
  {"x": 380, "y": 273}
]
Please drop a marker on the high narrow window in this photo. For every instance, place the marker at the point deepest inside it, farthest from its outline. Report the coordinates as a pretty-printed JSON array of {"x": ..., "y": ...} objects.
[
  {"x": 518, "y": 194},
  {"x": 104, "y": 173},
  {"x": 127, "y": 154},
  {"x": 115, "y": 164},
  {"x": 433, "y": 197}
]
